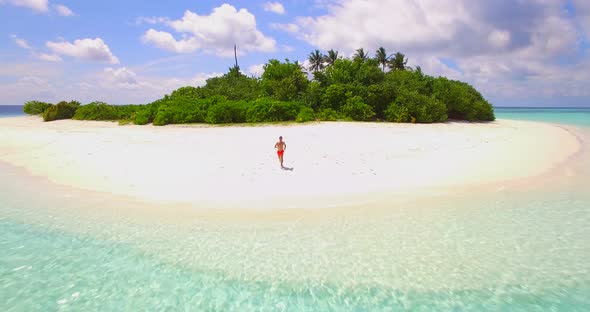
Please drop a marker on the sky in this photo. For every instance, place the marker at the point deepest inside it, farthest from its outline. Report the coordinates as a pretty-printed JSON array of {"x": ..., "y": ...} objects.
[{"x": 516, "y": 52}]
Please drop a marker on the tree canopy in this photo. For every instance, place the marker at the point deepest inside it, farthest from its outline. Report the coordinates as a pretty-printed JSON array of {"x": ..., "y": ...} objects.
[
  {"x": 316, "y": 61},
  {"x": 382, "y": 57},
  {"x": 331, "y": 57},
  {"x": 360, "y": 88}
]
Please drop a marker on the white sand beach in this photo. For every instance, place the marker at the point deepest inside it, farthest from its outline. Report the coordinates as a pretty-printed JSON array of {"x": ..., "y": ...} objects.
[{"x": 331, "y": 164}]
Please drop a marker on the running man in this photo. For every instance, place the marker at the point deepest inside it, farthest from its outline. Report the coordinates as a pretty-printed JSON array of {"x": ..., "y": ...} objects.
[{"x": 281, "y": 147}]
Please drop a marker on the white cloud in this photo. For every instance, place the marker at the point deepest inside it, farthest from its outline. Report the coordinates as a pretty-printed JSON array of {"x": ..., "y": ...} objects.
[
  {"x": 41, "y": 6},
  {"x": 275, "y": 7},
  {"x": 41, "y": 56},
  {"x": 84, "y": 49},
  {"x": 493, "y": 44},
  {"x": 125, "y": 85},
  {"x": 428, "y": 22},
  {"x": 35, "y": 5},
  {"x": 450, "y": 28},
  {"x": 545, "y": 80},
  {"x": 583, "y": 15},
  {"x": 63, "y": 10},
  {"x": 121, "y": 77},
  {"x": 435, "y": 67},
  {"x": 165, "y": 40},
  {"x": 499, "y": 38},
  {"x": 27, "y": 88},
  {"x": 554, "y": 36},
  {"x": 255, "y": 70},
  {"x": 287, "y": 48},
  {"x": 214, "y": 34},
  {"x": 113, "y": 84},
  {"x": 306, "y": 65},
  {"x": 49, "y": 57},
  {"x": 34, "y": 81},
  {"x": 198, "y": 80},
  {"x": 43, "y": 70},
  {"x": 150, "y": 20},
  {"x": 290, "y": 27},
  {"x": 21, "y": 42}
]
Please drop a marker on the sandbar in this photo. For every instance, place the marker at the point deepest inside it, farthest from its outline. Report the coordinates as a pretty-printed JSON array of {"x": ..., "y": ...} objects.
[{"x": 329, "y": 163}]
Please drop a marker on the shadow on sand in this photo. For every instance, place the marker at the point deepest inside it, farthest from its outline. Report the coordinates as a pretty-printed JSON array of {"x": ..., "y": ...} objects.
[{"x": 287, "y": 168}]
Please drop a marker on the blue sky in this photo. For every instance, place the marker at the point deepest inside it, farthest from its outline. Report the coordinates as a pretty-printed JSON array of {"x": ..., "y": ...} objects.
[{"x": 518, "y": 53}]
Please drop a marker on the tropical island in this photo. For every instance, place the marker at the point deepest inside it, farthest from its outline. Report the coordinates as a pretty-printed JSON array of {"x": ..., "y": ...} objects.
[{"x": 361, "y": 88}]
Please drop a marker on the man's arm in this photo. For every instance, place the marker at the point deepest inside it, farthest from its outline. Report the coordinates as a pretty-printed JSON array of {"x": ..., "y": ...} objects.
[
  {"x": 276, "y": 144},
  {"x": 284, "y": 146}
]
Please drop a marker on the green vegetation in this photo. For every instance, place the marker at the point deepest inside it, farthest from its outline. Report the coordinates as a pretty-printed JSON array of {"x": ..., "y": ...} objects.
[
  {"x": 103, "y": 111},
  {"x": 61, "y": 110},
  {"x": 362, "y": 88},
  {"x": 35, "y": 107}
]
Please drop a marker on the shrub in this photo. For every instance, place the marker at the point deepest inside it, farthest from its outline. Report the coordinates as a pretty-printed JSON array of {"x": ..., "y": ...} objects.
[
  {"x": 379, "y": 98},
  {"x": 463, "y": 102},
  {"x": 433, "y": 111},
  {"x": 408, "y": 81},
  {"x": 283, "y": 81},
  {"x": 226, "y": 112},
  {"x": 350, "y": 89},
  {"x": 50, "y": 113},
  {"x": 356, "y": 109},
  {"x": 35, "y": 107},
  {"x": 313, "y": 96},
  {"x": 188, "y": 92},
  {"x": 328, "y": 114},
  {"x": 183, "y": 107},
  {"x": 104, "y": 111},
  {"x": 163, "y": 117},
  {"x": 96, "y": 111},
  {"x": 345, "y": 71},
  {"x": 423, "y": 108},
  {"x": 179, "y": 114},
  {"x": 334, "y": 97},
  {"x": 145, "y": 114},
  {"x": 269, "y": 110},
  {"x": 62, "y": 110},
  {"x": 397, "y": 113},
  {"x": 234, "y": 86},
  {"x": 142, "y": 117},
  {"x": 305, "y": 114},
  {"x": 484, "y": 111},
  {"x": 124, "y": 112}
]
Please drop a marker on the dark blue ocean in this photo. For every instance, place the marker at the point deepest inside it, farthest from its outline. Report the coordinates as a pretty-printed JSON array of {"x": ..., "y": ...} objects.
[{"x": 11, "y": 110}]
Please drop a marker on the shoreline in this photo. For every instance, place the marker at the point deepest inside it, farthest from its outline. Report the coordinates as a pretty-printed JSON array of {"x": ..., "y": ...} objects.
[{"x": 423, "y": 161}]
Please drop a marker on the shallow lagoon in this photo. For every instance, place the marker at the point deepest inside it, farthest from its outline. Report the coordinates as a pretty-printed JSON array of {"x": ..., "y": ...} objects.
[{"x": 519, "y": 246}]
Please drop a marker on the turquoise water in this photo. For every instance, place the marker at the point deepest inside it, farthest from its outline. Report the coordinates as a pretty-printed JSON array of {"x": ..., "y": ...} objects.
[
  {"x": 518, "y": 248},
  {"x": 567, "y": 116},
  {"x": 11, "y": 111}
]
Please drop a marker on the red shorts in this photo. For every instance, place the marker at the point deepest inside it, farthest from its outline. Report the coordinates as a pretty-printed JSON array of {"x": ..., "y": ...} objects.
[{"x": 280, "y": 153}]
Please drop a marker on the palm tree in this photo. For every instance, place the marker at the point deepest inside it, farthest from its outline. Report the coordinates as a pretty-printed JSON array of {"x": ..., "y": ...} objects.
[
  {"x": 316, "y": 61},
  {"x": 300, "y": 66},
  {"x": 361, "y": 55},
  {"x": 398, "y": 61},
  {"x": 382, "y": 57},
  {"x": 331, "y": 57}
]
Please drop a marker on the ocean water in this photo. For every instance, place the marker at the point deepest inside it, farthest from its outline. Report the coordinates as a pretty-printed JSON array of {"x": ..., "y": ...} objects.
[
  {"x": 567, "y": 116},
  {"x": 513, "y": 247},
  {"x": 11, "y": 110}
]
